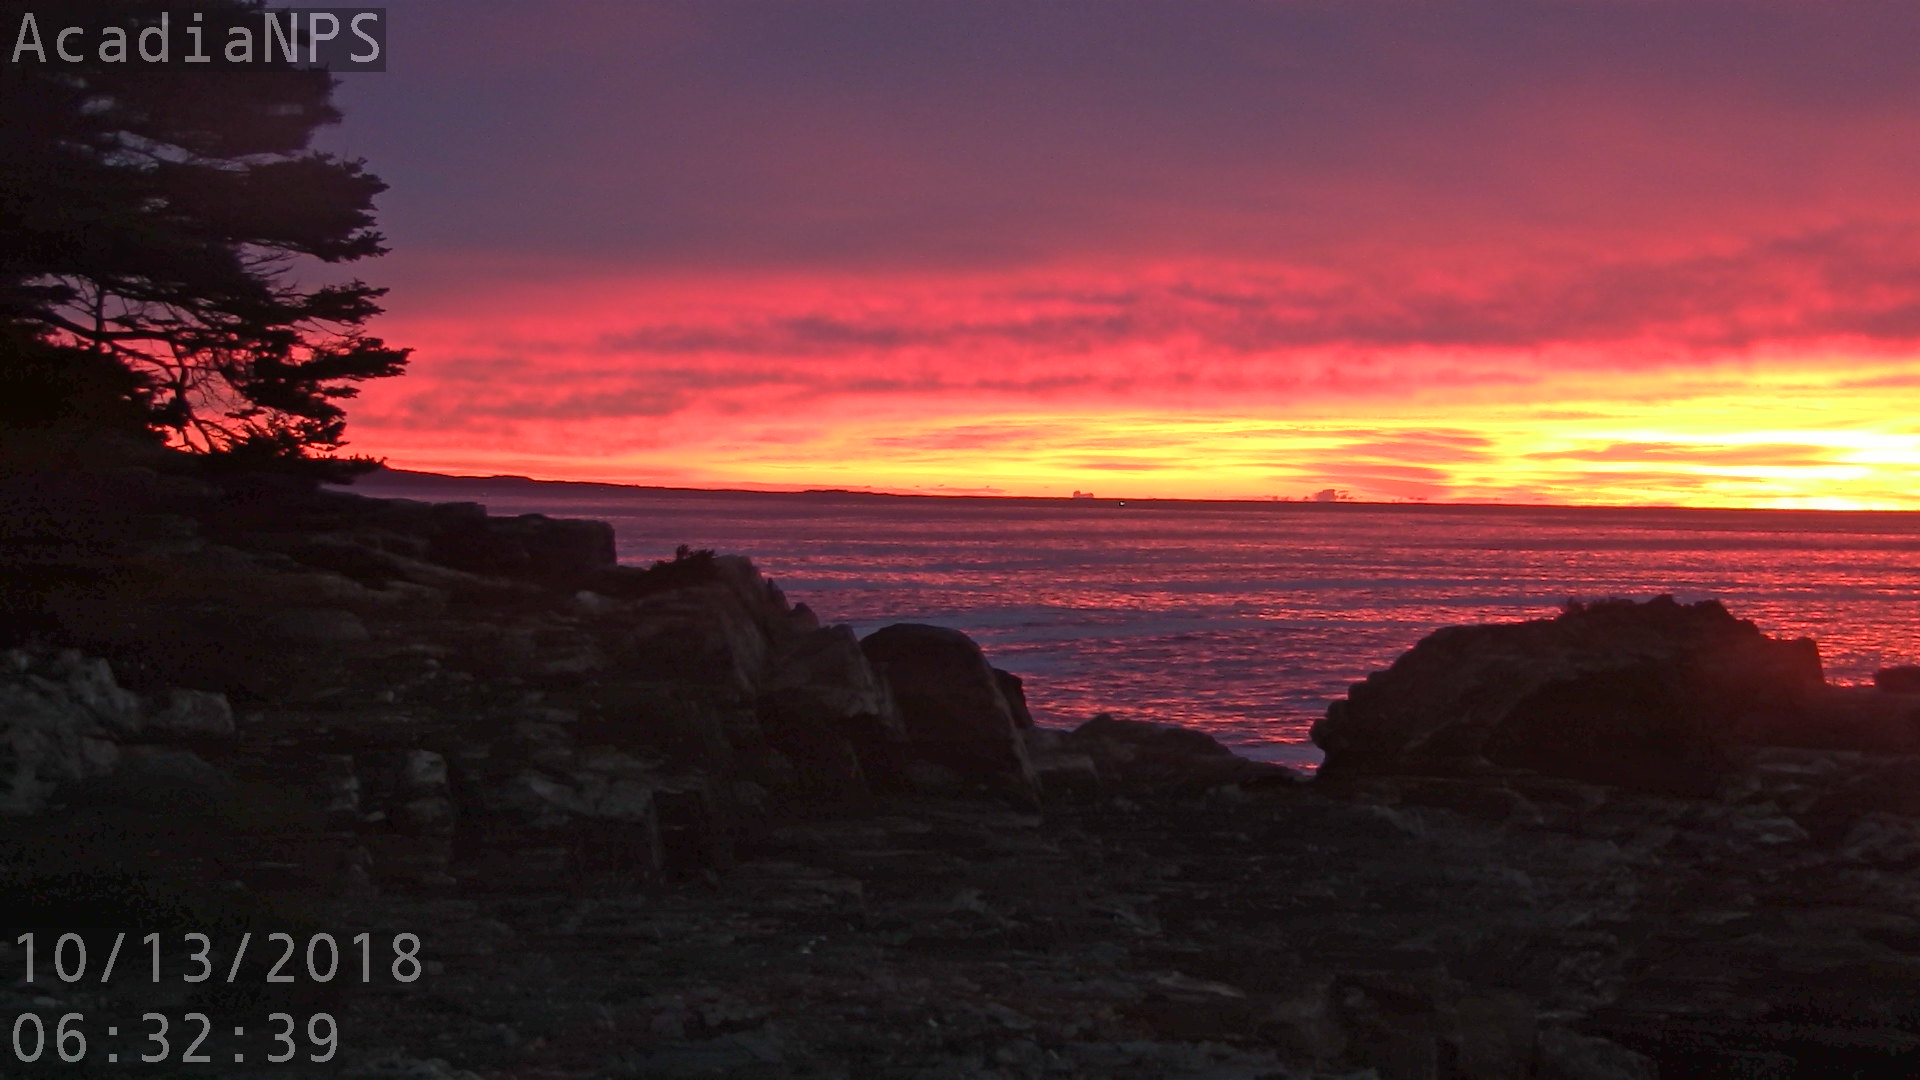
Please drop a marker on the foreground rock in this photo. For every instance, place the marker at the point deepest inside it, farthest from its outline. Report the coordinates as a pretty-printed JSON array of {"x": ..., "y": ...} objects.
[
  {"x": 1759, "y": 858},
  {"x": 659, "y": 822},
  {"x": 1657, "y": 695}
]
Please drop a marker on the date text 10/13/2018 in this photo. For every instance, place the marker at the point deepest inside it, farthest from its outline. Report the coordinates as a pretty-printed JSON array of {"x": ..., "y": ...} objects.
[{"x": 321, "y": 958}]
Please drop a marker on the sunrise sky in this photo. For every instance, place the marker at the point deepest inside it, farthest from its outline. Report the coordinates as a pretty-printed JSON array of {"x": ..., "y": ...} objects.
[{"x": 1610, "y": 252}]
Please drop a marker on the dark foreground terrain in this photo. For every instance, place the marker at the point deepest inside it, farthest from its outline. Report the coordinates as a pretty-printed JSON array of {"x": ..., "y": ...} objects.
[{"x": 658, "y": 822}]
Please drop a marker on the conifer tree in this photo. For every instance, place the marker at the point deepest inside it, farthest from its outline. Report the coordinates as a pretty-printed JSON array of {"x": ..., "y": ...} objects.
[{"x": 168, "y": 245}]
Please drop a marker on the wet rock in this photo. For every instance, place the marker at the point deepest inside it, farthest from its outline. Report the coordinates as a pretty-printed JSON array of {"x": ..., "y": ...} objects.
[
  {"x": 1652, "y": 694},
  {"x": 1491, "y": 1035}
]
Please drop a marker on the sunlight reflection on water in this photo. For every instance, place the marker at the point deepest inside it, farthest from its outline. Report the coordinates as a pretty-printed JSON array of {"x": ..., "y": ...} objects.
[{"x": 1246, "y": 619}]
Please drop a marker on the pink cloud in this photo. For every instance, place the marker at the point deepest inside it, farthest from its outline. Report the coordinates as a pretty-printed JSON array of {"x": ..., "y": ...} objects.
[{"x": 1202, "y": 334}]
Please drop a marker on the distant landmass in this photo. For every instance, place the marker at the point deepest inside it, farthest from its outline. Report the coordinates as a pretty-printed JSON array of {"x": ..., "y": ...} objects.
[{"x": 396, "y": 481}]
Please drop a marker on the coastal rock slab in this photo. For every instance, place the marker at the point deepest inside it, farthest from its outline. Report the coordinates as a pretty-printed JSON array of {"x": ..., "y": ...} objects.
[{"x": 1652, "y": 695}]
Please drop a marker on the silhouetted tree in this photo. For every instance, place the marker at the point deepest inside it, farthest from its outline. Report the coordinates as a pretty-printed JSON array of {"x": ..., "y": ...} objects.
[{"x": 160, "y": 230}]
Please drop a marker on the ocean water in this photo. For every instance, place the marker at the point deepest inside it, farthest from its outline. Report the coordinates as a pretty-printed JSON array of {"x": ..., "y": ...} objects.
[{"x": 1245, "y": 619}]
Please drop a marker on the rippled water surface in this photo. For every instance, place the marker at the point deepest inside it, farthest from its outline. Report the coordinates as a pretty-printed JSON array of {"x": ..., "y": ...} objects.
[{"x": 1245, "y": 619}]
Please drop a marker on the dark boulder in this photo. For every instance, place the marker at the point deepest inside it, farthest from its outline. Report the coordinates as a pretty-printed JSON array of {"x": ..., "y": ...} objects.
[
  {"x": 950, "y": 703},
  {"x": 1652, "y": 695},
  {"x": 1904, "y": 679}
]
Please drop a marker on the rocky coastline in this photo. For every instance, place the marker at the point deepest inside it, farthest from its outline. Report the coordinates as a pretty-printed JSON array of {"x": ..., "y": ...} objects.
[{"x": 661, "y": 822}]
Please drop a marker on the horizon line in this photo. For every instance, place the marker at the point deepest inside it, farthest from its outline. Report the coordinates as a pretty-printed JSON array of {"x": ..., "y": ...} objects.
[{"x": 1272, "y": 500}]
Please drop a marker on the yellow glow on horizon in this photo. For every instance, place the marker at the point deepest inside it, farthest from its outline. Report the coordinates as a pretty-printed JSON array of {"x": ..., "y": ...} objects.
[
  {"x": 1148, "y": 456},
  {"x": 1807, "y": 432}
]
